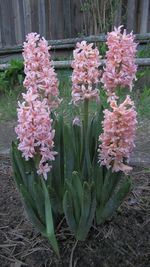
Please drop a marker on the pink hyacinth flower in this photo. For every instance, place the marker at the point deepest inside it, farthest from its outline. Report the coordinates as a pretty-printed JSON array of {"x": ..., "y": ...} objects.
[
  {"x": 40, "y": 74},
  {"x": 120, "y": 66},
  {"x": 85, "y": 74},
  {"x": 34, "y": 130},
  {"x": 117, "y": 139}
]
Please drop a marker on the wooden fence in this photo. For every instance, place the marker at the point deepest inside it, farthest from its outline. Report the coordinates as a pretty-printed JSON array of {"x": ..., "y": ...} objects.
[
  {"x": 60, "y": 19},
  {"x": 69, "y": 44}
]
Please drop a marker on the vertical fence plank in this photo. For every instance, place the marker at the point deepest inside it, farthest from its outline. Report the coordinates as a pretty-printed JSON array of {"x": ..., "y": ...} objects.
[
  {"x": 27, "y": 16},
  {"x": 0, "y": 38},
  {"x": 57, "y": 25},
  {"x": 22, "y": 25},
  {"x": 34, "y": 15},
  {"x": 77, "y": 18},
  {"x": 118, "y": 14},
  {"x": 144, "y": 16},
  {"x": 41, "y": 16},
  {"x": 17, "y": 19},
  {"x": 131, "y": 15},
  {"x": 67, "y": 18},
  {"x": 148, "y": 27},
  {"x": 7, "y": 23},
  {"x": 48, "y": 19},
  {"x": 1, "y": 43}
]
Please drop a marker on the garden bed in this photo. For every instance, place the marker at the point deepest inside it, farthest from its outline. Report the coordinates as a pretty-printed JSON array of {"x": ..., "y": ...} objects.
[{"x": 123, "y": 242}]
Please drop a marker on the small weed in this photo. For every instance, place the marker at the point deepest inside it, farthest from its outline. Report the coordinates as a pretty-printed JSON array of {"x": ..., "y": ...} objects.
[{"x": 102, "y": 49}]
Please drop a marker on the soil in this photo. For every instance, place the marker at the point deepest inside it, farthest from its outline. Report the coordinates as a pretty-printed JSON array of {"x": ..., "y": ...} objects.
[{"x": 122, "y": 242}]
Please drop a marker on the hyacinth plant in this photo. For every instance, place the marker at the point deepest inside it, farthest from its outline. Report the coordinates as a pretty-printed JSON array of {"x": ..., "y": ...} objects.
[{"x": 74, "y": 170}]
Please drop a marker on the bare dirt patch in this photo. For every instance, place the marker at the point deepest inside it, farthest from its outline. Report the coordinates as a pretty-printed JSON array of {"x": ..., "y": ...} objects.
[{"x": 123, "y": 242}]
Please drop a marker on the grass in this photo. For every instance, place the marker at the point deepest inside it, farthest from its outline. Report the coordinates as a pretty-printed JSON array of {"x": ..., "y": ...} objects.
[
  {"x": 9, "y": 98},
  {"x": 8, "y": 104}
]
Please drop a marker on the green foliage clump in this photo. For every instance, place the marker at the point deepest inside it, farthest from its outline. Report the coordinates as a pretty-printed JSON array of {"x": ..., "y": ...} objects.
[{"x": 12, "y": 76}]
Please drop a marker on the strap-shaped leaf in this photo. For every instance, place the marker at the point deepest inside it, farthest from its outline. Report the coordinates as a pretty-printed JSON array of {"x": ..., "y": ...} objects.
[
  {"x": 24, "y": 169},
  {"x": 92, "y": 209},
  {"x": 76, "y": 183},
  {"x": 38, "y": 196},
  {"x": 114, "y": 202},
  {"x": 18, "y": 160},
  {"x": 31, "y": 212},
  {"x": 95, "y": 131},
  {"x": 98, "y": 179},
  {"x": 69, "y": 152},
  {"x": 76, "y": 191},
  {"x": 110, "y": 182},
  {"x": 49, "y": 221},
  {"x": 17, "y": 174},
  {"x": 77, "y": 146},
  {"x": 30, "y": 182},
  {"x": 87, "y": 214},
  {"x": 87, "y": 164},
  {"x": 58, "y": 163},
  {"x": 69, "y": 212},
  {"x": 56, "y": 202}
]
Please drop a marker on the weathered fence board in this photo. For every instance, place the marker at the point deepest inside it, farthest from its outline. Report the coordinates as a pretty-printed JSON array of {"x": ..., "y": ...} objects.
[
  {"x": 59, "y": 19},
  {"x": 70, "y": 43},
  {"x": 144, "y": 16},
  {"x": 42, "y": 17},
  {"x": 66, "y": 64},
  {"x": 131, "y": 14},
  {"x": 17, "y": 19},
  {"x": 26, "y": 19}
]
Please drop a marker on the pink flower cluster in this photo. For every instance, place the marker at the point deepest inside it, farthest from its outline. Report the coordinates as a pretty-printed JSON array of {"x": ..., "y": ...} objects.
[
  {"x": 120, "y": 61},
  {"x": 35, "y": 132},
  {"x": 34, "y": 128},
  {"x": 40, "y": 74},
  {"x": 119, "y": 128},
  {"x": 85, "y": 74}
]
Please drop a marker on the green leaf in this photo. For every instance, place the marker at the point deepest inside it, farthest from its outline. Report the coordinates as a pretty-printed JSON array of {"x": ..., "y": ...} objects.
[
  {"x": 114, "y": 202},
  {"x": 95, "y": 131},
  {"x": 69, "y": 211},
  {"x": 18, "y": 160},
  {"x": 49, "y": 221},
  {"x": 91, "y": 138},
  {"x": 76, "y": 183},
  {"x": 77, "y": 146},
  {"x": 56, "y": 202},
  {"x": 69, "y": 152},
  {"x": 111, "y": 180},
  {"x": 92, "y": 209},
  {"x": 26, "y": 169},
  {"x": 88, "y": 210},
  {"x": 17, "y": 174},
  {"x": 98, "y": 179},
  {"x": 58, "y": 163},
  {"x": 38, "y": 196},
  {"x": 31, "y": 211},
  {"x": 75, "y": 189}
]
